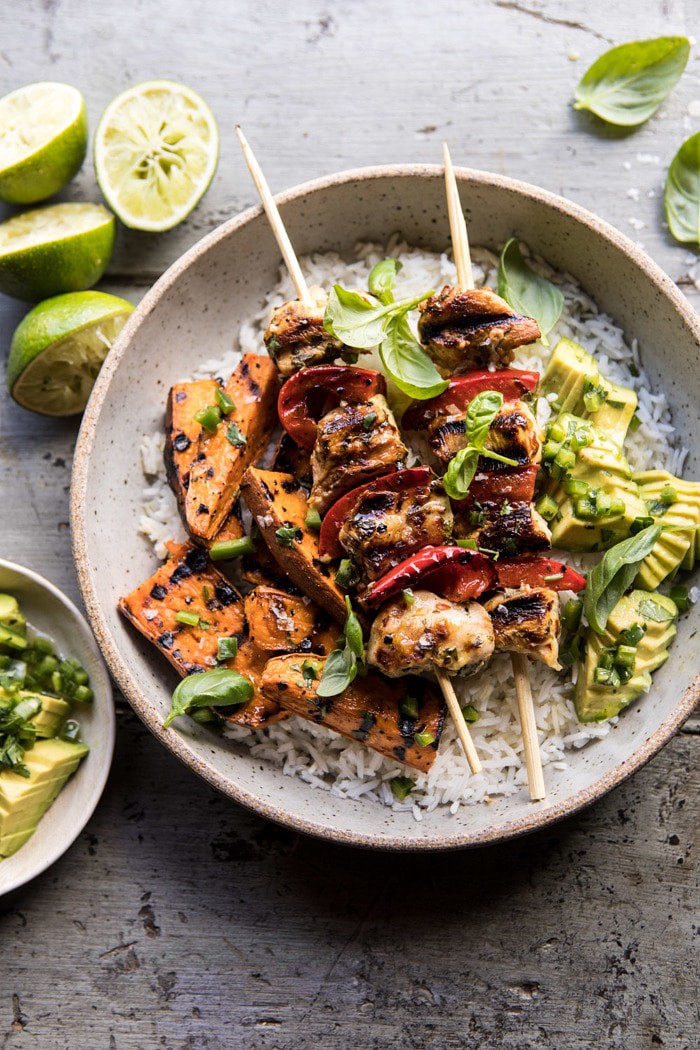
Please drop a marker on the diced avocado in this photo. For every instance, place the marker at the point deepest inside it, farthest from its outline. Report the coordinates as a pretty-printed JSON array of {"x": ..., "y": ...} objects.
[
  {"x": 656, "y": 613},
  {"x": 12, "y": 639},
  {"x": 673, "y": 550},
  {"x": 11, "y": 615},
  {"x": 603, "y": 467},
  {"x": 24, "y": 800},
  {"x": 53, "y": 714},
  {"x": 571, "y": 372}
]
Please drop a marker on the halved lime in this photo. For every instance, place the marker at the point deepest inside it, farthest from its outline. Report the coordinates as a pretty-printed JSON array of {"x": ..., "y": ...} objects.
[
  {"x": 43, "y": 140},
  {"x": 60, "y": 248},
  {"x": 58, "y": 349},
  {"x": 156, "y": 151}
]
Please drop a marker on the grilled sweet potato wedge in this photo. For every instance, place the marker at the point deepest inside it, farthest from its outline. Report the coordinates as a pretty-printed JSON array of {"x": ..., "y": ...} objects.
[
  {"x": 290, "y": 458},
  {"x": 259, "y": 711},
  {"x": 189, "y": 582},
  {"x": 222, "y": 457},
  {"x": 368, "y": 710},
  {"x": 182, "y": 430},
  {"x": 278, "y": 504},
  {"x": 281, "y": 622}
]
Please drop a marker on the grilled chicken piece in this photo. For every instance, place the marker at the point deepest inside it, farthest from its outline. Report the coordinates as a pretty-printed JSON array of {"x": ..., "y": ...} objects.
[
  {"x": 354, "y": 444},
  {"x": 282, "y": 622},
  {"x": 296, "y": 338},
  {"x": 472, "y": 329},
  {"x": 506, "y": 527},
  {"x": 514, "y": 433},
  {"x": 431, "y": 632},
  {"x": 369, "y": 710},
  {"x": 527, "y": 621},
  {"x": 386, "y": 527}
]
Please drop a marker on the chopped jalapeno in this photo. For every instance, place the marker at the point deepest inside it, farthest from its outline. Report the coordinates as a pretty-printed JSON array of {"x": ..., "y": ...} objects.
[
  {"x": 209, "y": 418},
  {"x": 191, "y": 619},
  {"x": 223, "y": 550},
  {"x": 424, "y": 739},
  {"x": 312, "y": 519},
  {"x": 226, "y": 405},
  {"x": 401, "y": 787}
]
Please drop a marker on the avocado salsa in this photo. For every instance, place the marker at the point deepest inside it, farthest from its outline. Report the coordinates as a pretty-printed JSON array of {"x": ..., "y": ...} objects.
[{"x": 39, "y": 740}]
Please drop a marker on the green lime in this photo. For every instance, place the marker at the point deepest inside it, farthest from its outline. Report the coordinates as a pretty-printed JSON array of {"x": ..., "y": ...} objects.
[
  {"x": 58, "y": 349},
  {"x": 43, "y": 140},
  {"x": 156, "y": 151},
  {"x": 60, "y": 248}
]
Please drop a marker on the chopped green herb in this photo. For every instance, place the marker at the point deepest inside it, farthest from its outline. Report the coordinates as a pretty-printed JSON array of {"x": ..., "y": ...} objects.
[
  {"x": 369, "y": 420},
  {"x": 409, "y": 707},
  {"x": 681, "y": 596},
  {"x": 227, "y": 649},
  {"x": 234, "y": 436},
  {"x": 288, "y": 534}
]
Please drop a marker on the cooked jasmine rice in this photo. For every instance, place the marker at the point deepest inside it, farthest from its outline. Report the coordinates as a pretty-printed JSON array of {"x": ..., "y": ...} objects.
[{"x": 347, "y": 768}]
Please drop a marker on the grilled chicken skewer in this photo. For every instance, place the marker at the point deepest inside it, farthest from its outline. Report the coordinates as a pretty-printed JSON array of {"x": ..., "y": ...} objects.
[
  {"x": 321, "y": 497},
  {"x": 465, "y": 279}
]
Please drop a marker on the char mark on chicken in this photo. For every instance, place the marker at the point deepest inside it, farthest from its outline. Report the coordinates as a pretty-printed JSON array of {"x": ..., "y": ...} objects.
[
  {"x": 514, "y": 433},
  {"x": 527, "y": 621},
  {"x": 430, "y": 633},
  {"x": 463, "y": 330},
  {"x": 509, "y": 528},
  {"x": 354, "y": 444},
  {"x": 296, "y": 338},
  {"x": 386, "y": 527}
]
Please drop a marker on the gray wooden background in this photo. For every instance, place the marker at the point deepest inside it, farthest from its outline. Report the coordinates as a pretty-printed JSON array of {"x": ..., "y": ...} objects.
[{"x": 180, "y": 921}]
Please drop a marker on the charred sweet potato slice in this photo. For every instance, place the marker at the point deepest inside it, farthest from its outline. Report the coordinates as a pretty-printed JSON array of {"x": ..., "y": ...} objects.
[
  {"x": 182, "y": 430},
  {"x": 278, "y": 504},
  {"x": 189, "y": 583},
  {"x": 222, "y": 457},
  {"x": 368, "y": 710},
  {"x": 281, "y": 622}
]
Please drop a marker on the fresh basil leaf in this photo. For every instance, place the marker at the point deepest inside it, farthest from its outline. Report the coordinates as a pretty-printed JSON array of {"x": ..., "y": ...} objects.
[
  {"x": 407, "y": 364},
  {"x": 627, "y": 84},
  {"x": 682, "y": 192},
  {"x": 651, "y": 610},
  {"x": 339, "y": 670},
  {"x": 481, "y": 413},
  {"x": 528, "y": 292},
  {"x": 382, "y": 279},
  {"x": 353, "y": 632},
  {"x": 220, "y": 688},
  {"x": 362, "y": 322},
  {"x": 460, "y": 473},
  {"x": 614, "y": 573}
]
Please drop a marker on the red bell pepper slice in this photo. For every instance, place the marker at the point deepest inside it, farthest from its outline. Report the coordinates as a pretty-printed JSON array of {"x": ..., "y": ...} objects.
[
  {"x": 306, "y": 394},
  {"x": 513, "y": 383},
  {"x": 539, "y": 572},
  {"x": 455, "y": 568},
  {"x": 515, "y": 484},
  {"x": 328, "y": 544}
]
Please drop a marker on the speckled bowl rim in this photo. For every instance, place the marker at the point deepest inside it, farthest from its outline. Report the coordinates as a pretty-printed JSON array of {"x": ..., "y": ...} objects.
[
  {"x": 91, "y": 798},
  {"x": 538, "y": 818}
]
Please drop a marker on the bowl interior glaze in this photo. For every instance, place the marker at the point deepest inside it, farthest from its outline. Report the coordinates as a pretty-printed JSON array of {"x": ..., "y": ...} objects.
[
  {"x": 48, "y": 610},
  {"x": 193, "y": 313}
]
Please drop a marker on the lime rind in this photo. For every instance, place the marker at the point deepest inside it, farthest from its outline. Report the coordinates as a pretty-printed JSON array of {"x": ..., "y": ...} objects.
[
  {"x": 156, "y": 151},
  {"x": 43, "y": 140}
]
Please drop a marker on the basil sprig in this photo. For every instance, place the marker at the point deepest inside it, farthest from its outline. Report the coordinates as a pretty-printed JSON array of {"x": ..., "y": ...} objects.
[
  {"x": 220, "y": 688},
  {"x": 682, "y": 192},
  {"x": 528, "y": 292},
  {"x": 627, "y": 84},
  {"x": 379, "y": 320},
  {"x": 342, "y": 666},
  {"x": 480, "y": 415},
  {"x": 614, "y": 573}
]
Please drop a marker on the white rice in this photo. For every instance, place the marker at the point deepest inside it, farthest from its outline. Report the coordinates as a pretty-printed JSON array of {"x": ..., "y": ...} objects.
[{"x": 349, "y": 769}]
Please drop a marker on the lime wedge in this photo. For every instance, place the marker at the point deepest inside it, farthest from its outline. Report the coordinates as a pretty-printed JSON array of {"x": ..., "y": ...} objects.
[
  {"x": 43, "y": 140},
  {"x": 156, "y": 151},
  {"x": 58, "y": 349},
  {"x": 60, "y": 248}
]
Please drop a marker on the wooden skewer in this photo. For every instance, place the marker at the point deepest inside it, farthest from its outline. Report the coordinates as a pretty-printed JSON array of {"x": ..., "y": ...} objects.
[
  {"x": 297, "y": 276},
  {"x": 272, "y": 212},
  {"x": 523, "y": 692}
]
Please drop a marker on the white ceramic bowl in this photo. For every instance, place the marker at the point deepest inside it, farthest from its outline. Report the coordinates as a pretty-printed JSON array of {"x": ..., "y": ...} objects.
[
  {"x": 193, "y": 312},
  {"x": 47, "y": 609}
]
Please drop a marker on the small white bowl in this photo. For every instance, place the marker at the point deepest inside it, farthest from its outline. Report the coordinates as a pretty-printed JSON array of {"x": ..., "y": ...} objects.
[{"x": 49, "y": 611}]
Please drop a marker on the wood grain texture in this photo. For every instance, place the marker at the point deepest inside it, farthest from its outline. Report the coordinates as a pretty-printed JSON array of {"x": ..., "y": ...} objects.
[{"x": 180, "y": 921}]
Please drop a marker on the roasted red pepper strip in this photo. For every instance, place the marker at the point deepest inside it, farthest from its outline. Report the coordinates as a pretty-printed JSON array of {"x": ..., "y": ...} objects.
[
  {"x": 539, "y": 572},
  {"x": 473, "y": 574},
  {"x": 312, "y": 389},
  {"x": 328, "y": 545},
  {"x": 513, "y": 383},
  {"x": 515, "y": 484}
]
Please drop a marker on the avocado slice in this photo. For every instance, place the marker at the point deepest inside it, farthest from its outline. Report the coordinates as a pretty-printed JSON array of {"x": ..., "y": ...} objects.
[
  {"x": 11, "y": 615},
  {"x": 24, "y": 800},
  {"x": 673, "y": 550},
  {"x": 603, "y": 466},
  {"x": 656, "y": 613},
  {"x": 571, "y": 371},
  {"x": 53, "y": 714}
]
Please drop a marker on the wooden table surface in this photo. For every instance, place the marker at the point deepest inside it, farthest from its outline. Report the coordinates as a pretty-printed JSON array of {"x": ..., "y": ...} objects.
[{"x": 180, "y": 921}]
